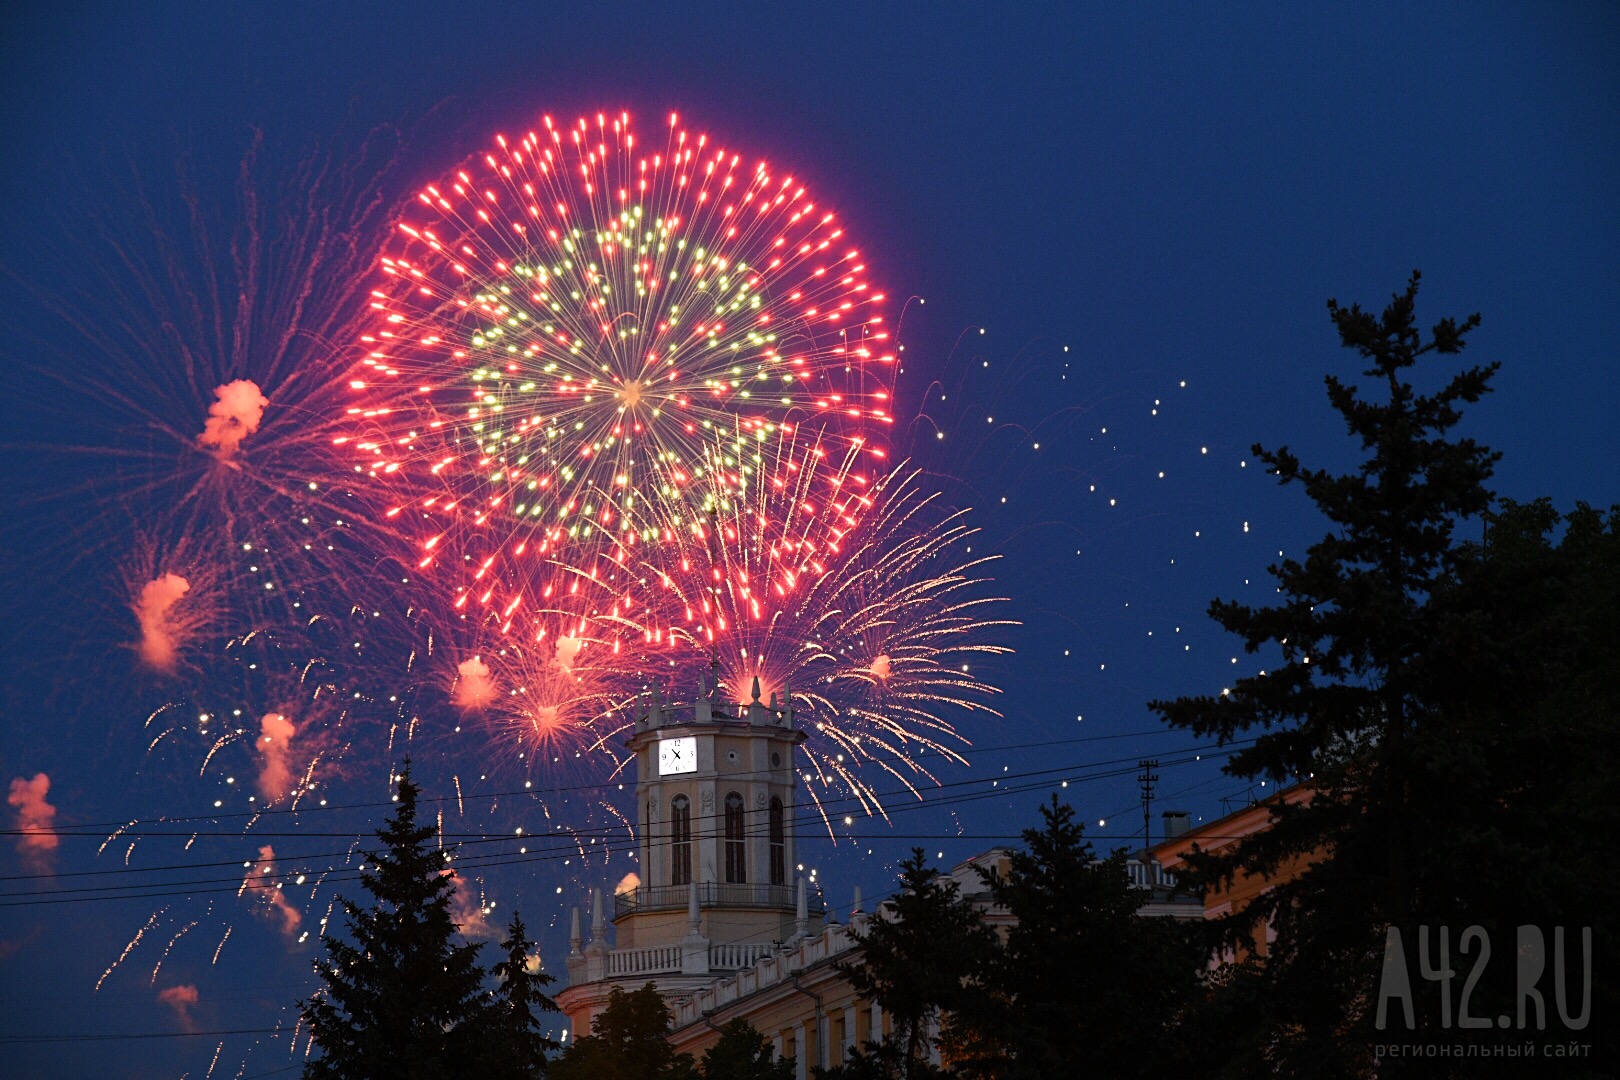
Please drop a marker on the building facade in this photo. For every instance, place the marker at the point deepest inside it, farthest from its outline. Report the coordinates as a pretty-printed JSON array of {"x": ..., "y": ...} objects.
[
  {"x": 722, "y": 922},
  {"x": 719, "y": 887},
  {"x": 1226, "y": 834}
]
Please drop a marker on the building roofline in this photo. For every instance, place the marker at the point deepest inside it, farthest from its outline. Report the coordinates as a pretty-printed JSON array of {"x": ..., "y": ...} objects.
[{"x": 1229, "y": 828}]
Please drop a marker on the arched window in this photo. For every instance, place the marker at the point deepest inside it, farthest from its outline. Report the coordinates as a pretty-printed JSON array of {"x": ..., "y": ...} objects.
[
  {"x": 680, "y": 841},
  {"x": 735, "y": 852},
  {"x": 778, "y": 844}
]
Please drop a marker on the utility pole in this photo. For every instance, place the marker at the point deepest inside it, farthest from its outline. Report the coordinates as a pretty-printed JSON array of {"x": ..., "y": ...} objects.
[{"x": 1145, "y": 780}]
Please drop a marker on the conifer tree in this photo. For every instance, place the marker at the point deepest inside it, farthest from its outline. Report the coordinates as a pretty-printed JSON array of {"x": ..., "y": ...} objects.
[
  {"x": 628, "y": 1041},
  {"x": 1349, "y": 690},
  {"x": 1084, "y": 984},
  {"x": 742, "y": 1053},
  {"x": 404, "y": 1000},
  {"x": 922, "y": 957},
  {"x": 514, "y": 1047}
]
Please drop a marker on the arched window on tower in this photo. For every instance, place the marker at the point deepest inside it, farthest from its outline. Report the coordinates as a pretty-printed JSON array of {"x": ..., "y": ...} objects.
[
  {"x": 778, "y": 844},
  {"x": 736, "y": 871},
  {"x": 680, "y": 841}
]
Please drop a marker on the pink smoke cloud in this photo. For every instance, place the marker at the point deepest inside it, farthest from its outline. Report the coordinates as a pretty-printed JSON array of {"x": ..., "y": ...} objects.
[
  {"x": 567, "y": 649},
  {"x": 469, "y": 911},
  {"x": 474, "y": 688},
  {"x": 881, "y": 667},
  {"x": 261, "y": 883},
  {"x": 543, "y": 719},
  {"x": 235, "y": 414},
  {"x": 12, "y": 946},
  {"x": 158, "y": 647},
  {"x": 274, "y": 746},
  {"x": 38, "y": 842},
  {"x": 627, "y": 884},
  {"x": 181, "y": 999}
]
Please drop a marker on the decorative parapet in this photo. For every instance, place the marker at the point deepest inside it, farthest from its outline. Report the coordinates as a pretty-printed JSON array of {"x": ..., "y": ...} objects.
[
  {"x": 735, "y": 957},
  {"x": 775, "y": 965},
  {"x": 648, "y": 961},
  {"x": 710, "y": 706},
  {"x": 669, "y": 959}
]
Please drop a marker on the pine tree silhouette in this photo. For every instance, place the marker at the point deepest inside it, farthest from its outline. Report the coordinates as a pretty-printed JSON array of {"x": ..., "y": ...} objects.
[{"x": 404, "y": 1000}]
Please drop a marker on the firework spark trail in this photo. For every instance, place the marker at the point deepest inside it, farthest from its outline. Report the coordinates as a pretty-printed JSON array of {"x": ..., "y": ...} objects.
[
  {"x": 221, "y": 946},
  {"x": 867, "y": 609},
  {"x": 134, "y": 941},
  {"x": 170, "y": 948},
  {"x": 557, "y": 710},
  {"x": 217, "y": 345},
  {"x": 115, "y": 835},
  {"x": 563, "y": 341}
]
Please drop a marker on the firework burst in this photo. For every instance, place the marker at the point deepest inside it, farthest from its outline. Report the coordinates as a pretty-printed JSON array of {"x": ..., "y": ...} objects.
[
  {"x": 553, "y": 695},
  {"x": 579, "y": 339},
  {"x": 198, "y": 369},
  {"x": 865, "y": 605}
]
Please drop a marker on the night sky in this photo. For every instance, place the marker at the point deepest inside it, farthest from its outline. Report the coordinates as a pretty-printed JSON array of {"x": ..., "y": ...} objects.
[{"x": 1125, "y": 227}]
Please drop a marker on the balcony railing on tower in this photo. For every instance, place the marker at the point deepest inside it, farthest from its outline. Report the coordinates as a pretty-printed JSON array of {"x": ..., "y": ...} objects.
[{"x": 711, "y": 894}]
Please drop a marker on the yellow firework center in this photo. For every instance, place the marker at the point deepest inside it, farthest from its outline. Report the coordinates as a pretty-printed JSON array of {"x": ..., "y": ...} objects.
[{"x": 675, "y": 396}]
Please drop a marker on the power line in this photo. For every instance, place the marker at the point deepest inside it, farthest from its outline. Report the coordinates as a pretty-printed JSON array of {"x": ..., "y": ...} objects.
[
  {"x": 15, "y": 1040},
  {"x": 555, "y": 789},
  {"x": 749, "y": 938},
  {"x": 561, "y": 847}
]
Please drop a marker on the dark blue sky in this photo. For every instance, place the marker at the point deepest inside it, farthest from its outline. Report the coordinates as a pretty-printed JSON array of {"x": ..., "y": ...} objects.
[{"x": 1172, "y": 195}]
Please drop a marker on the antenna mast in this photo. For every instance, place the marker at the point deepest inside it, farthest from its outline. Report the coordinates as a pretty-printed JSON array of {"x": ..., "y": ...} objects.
[{"x": 1145, "y": 780}]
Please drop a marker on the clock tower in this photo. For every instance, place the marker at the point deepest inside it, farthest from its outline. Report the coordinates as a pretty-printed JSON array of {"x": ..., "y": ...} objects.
[{"x": 719, "y": 887}]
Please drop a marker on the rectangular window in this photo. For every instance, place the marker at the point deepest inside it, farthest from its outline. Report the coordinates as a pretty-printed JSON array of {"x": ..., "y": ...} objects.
[
  {"x": 736, "y": 845},
  {"x": 680, "y": 841},
  {"x": 778, "y": 832}
]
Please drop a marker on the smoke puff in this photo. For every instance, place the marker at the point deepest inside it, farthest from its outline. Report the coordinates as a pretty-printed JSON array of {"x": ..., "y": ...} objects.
[
  {"x": 543, "y": 718},
  {"x": 179, "y": 995},
  {"x": 275, "y": 746},
  {"x": 180, "y": 999},
  {"x": 468, "y": 911},
  {"x": 232, "y": 417},
  {"x": 629, "y": 883},
  {"x": 37, "y": 840},
  {"x": 276, "y": 905},
  {"x": 474, "y": 688},
  {"x": 881, "y": 667},
  {"x": 10, "y": 947},
  {"x": 158, "y": 648},
  {"x": 567, "y": 649}
]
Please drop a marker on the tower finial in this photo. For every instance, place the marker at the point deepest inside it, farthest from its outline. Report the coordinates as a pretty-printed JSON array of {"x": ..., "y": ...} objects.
[{"x": 756, "y": 689}]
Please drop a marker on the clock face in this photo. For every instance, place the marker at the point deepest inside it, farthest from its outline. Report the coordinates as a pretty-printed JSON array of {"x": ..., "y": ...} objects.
[{"x": 677, "y": 756}]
